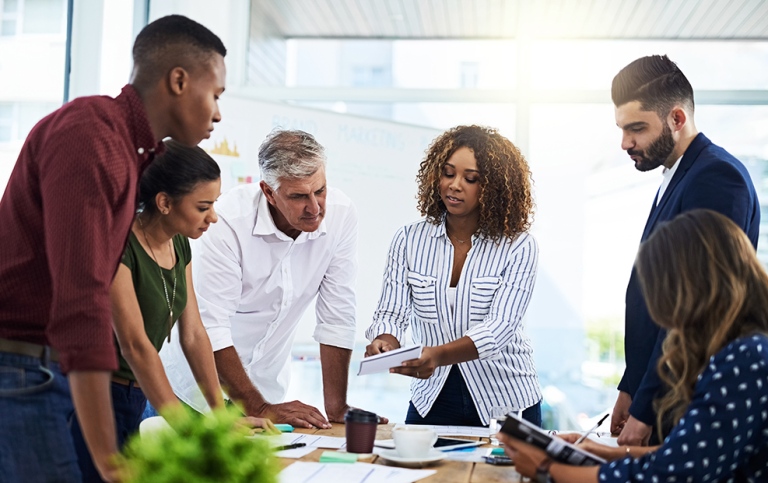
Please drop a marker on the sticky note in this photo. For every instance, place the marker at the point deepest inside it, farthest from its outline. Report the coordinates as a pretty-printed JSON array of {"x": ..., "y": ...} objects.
[
  {"x": 284, "y": 428},
  {"x": 337, "y": 457},
  {"x": 497, "y": 451}
]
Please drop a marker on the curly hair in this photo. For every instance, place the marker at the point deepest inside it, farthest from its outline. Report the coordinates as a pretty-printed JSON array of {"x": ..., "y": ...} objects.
[
  {"x": 506, "y": 199},
  {"x": 702, "y": 281}
]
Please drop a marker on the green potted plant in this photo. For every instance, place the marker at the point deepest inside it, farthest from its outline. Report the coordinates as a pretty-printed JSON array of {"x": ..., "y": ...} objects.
[{"x": 200, "y": 448}]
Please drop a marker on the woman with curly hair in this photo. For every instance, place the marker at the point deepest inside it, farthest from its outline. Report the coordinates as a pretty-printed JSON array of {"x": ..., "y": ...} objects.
[
  {"x": 703, "y": 283},
  {"x": 462, "y": 279}
]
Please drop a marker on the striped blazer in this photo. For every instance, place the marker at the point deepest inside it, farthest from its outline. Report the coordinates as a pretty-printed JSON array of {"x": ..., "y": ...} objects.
[{"x": 491, "y": 298}]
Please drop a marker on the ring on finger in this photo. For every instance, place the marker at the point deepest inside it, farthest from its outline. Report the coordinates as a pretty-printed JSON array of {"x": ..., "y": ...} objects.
[{"x": 417, "y": 373}]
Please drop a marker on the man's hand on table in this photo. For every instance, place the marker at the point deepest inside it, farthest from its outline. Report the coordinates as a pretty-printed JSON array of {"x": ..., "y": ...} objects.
[
  {"x": 295, "y": 413},
  {"x": 336, "y": 415},
  {"x": 635, "y": 433},
  {"x": 620, "y": 412}
]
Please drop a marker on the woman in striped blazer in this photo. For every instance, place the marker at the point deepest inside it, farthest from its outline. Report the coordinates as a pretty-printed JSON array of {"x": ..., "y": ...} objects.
[{"x": 461, "y": 279}]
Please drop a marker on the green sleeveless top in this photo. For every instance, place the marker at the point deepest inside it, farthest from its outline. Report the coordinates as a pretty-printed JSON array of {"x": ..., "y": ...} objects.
[{"x": 149, "y": 291}]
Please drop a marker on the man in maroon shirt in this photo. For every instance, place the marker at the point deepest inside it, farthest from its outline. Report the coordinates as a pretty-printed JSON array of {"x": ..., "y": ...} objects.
[{"x": 65, "y": 218}]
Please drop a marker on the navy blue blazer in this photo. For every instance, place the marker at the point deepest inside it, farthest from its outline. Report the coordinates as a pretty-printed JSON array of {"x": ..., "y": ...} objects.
[{"x": 708, "y": 177}]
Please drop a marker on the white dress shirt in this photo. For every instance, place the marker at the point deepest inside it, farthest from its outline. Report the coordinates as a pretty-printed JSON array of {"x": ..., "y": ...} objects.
[
  {"x": 667, "y": 178},
  {"x": 253, "y": 283},
  {"x": 491, "y": 298}
]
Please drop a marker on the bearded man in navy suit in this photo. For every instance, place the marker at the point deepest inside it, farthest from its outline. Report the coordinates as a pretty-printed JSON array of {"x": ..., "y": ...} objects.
[{"x": 654, "y": 109}]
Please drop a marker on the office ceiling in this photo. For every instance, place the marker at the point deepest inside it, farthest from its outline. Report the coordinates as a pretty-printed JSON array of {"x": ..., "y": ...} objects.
[{"x": 510, "y": 19}]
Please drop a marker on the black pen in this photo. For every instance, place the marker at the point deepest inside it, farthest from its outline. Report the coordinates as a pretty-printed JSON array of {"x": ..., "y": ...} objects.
[
  {"x": 290, "y": 446},
  {"x": 592, "y": 429}
]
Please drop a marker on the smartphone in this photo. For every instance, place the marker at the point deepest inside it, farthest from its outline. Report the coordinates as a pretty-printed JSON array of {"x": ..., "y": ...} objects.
[{"x": 499, "y": 459}]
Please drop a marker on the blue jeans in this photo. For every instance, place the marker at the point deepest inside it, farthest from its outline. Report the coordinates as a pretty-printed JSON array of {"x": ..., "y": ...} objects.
[
  {"x": 35, "y": 443},
  {"x": 128, "y": 403},
  {"x": 454, "y": 406}
]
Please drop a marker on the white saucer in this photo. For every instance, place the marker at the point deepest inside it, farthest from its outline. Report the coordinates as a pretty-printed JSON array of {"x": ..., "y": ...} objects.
[{"x": 392, "y": 455}]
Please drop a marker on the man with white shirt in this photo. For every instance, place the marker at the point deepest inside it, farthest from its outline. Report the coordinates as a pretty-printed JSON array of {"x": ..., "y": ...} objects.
[
  {"x": 278, "y": 245},
  {"x": 654, "y": 109}
]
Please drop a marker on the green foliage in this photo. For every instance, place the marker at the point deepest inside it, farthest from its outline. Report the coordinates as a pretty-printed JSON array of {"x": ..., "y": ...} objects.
[
  {"x": 606, "y": 336},
  {"x": 200, "y": 448}
]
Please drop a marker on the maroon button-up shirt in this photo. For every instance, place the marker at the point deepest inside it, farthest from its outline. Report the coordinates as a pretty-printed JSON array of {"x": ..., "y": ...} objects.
[{"x": 64, "y": 222}]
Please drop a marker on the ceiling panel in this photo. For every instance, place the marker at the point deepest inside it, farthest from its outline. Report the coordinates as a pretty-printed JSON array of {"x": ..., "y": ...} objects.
[
  {"x": 740, "y": 16},
  {"x": 548, "y": 19}
]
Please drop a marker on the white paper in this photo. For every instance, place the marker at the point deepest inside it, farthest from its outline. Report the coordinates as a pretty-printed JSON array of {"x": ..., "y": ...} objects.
[
  {"x": 295, "y": 453},
  {"x": 386, "y": 360},
  {"x": 307, "y": 472},
  {"x": 330, "y": 442},
  {"x": 476, "y": 431},
  {"x": 311, "y": 440},
  {"x": 606, "y": 440},
  {"x": 384, "y": 443}
]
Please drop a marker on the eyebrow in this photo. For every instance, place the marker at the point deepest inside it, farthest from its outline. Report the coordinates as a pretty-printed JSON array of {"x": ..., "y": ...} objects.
[
  {"x": 302, "y": 193},
  {"x": 471, "y": 170},
  {"x": 634, "y": 124}
]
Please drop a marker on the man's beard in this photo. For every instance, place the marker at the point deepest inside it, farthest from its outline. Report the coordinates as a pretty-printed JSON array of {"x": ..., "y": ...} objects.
[{"x": 657, "y": 153}]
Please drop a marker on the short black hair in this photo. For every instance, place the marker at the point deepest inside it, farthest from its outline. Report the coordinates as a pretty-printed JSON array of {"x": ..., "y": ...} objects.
[
  {"x": 176, "y": 172},
  {"x": 654, "y": 81},
  {"x": 172, "y": 41}
]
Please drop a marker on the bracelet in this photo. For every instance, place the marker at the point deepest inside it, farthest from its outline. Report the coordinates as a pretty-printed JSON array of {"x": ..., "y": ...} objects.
[
  {"x": 542, "y": 471},
  {"x": 628, "y": 453}
]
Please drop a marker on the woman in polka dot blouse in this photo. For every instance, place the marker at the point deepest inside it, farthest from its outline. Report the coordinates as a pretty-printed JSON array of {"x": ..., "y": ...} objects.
[{"x": 704, "y": 284}]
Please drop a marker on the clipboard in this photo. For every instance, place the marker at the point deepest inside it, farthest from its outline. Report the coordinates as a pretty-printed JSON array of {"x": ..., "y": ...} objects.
[{"x": 386, "y": 360}]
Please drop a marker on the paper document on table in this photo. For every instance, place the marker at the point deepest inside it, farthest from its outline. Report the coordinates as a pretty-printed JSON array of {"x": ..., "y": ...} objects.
[
  {"x": 311, "y": 440},
  {"x": 386, "y": 360},
  {"x": 296, "y": 453},
  {"x": 476, "y": 431},
  {"x": 307, "y": 472},
  {"x": 330, "y": 442},
  {"x": 606, "y": 440}
]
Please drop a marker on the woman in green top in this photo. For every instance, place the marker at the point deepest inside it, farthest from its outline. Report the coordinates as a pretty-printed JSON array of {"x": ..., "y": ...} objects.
[{"x": 153, "y": 289}]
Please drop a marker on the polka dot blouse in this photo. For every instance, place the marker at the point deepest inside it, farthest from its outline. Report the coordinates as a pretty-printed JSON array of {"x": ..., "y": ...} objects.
[{"x": 723, "y": 435}]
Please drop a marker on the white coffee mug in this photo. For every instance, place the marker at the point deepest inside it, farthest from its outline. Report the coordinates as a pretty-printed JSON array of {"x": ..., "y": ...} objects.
[{"x": 413, "y": 441}]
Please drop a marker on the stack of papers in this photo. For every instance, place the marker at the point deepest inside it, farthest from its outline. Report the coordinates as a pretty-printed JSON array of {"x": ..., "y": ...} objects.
[{"x": 306, "y": 472}]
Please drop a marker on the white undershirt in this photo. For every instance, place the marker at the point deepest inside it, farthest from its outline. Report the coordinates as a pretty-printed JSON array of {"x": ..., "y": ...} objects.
[
  {"x": 452, "y": 298},
  {"x": 668, "y": 174}
]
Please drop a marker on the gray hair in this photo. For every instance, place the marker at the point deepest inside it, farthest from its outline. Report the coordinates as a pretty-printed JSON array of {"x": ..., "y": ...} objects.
[{"x": 289, "y": 154}]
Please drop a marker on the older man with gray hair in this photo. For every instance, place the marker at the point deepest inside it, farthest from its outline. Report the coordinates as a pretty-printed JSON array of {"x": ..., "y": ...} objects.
[{"x": 277, "y": 246}]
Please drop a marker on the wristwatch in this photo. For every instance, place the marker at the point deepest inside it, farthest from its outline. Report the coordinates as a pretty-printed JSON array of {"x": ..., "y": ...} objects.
[{"x": 542, "y": 472}]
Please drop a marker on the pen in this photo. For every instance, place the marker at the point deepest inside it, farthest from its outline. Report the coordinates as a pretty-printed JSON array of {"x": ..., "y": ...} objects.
[
  {"x": 290, "y": 446},
  {"x": 592, "y": 429}
]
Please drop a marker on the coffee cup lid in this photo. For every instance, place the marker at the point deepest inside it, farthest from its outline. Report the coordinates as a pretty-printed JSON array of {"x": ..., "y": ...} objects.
[{"x": 360, "y": 416}]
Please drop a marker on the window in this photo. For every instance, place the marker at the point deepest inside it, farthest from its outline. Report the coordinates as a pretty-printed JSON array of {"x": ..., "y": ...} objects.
[
  {"x": 9, "y": 17},
  {"x": 6, "y": 122},
  {"x": 43, "y": 17}
]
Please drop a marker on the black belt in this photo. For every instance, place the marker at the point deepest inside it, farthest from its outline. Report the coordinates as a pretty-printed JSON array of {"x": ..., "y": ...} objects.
[
  {"x": 125, "y": 382},
  {"x": 28, "y": 349}
]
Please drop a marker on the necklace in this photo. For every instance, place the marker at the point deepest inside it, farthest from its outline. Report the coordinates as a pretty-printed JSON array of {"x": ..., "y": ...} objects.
[
  {"x": 453, "y": 236},
  {"x": 168, "y": 300}
]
